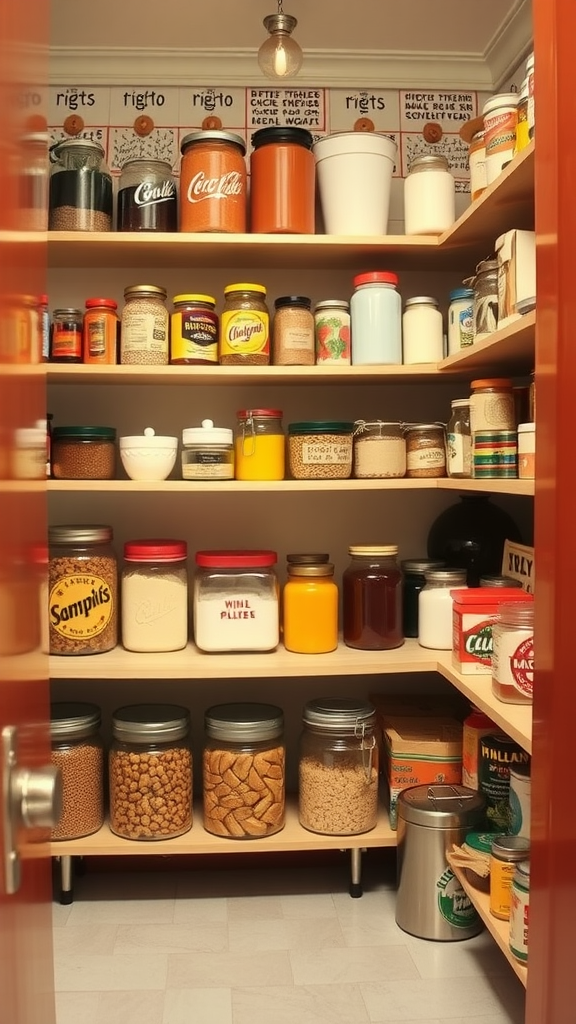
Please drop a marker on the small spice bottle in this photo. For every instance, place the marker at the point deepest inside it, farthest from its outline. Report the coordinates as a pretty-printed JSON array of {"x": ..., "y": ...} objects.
[
  {"x": 100, "y": 332},
  {"x": 507, "y": 852},
  {"x": 422, "y": 331},
  {"x": 259, "y": 445},
  {"x": 83, "y": 453},
  {"x": 425, "y": 450},
  {"x": 194, "y": 330},
  {"x": 245, "y": 326},
  {"x": 429, "y": 196},
  {"x": 293, "y": 332},
  {"x": 413, "y": 581},
  {"x": 236, "y": 601},
  {"x": 372, "y": 599},
  {"x": 332, "y": 332},
  {"x": 379, "y": 450},
  {"x": 519, "y": 911},
  {"x": 207, "y": 452},
  {"x": 485, "y": 299},
  {"x": 66, "y": 336},
  {"x": 310, "y": 609},
  {"x": 154, "y": 596},
  {"x": 459, "y": 440},
  {"x": 83, "y": 590},
  {"x": 513, "y": 654},
  {"x": 435, "y": 608},
  {"x": 145, "y": 326},
  {"x": 78, "y": 751}
]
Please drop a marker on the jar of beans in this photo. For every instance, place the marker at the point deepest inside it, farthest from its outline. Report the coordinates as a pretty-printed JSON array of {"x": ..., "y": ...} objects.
[
  {"x": 83, "y": 453},
  {"x": 78, "y": 751},
  {"x": 293, "y": 332},
  {"x": 320, "y": 450},
  {"x": 379, "y": 449},
  {"x": 82, "y": 590},
  {"x": 144, "y": 337},
  {"x": 425, "y": 450},
  {"x": 150, "y": 770}
]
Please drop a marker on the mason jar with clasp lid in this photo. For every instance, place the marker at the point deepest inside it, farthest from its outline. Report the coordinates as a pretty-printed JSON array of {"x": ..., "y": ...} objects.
[
  {"x": 147, "y": 198},
  {"x": 259, "y": 445},
  {"x": 379, "y": 449},
  {"x": 80, "y": 187},
  {"x": 372, "y": 599},
  {"x": 429, "y": 196},
  {"x": 78, "y": 751}
]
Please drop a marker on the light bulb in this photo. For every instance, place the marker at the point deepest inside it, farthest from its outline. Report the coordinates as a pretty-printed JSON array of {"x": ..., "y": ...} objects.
[{"x": 280, "y": 56}]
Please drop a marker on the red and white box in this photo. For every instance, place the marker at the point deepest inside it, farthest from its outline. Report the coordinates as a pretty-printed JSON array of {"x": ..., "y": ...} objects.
[{"x": 474, "y": 613}]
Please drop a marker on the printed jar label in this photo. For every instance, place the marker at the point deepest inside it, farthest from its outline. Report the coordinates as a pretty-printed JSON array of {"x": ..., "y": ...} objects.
[
  {"x": 459, "y": 452},
  {"x": 145, "y": 332},
  {"x": 331, "y": 454},
  {"x": 426, "y": 458},
  {"x": 500, "y": 132},
  {"x": 453, "y": 903},
  {"x": 241, "y": 623},
  {"x": 194, "y": 336},
  {"x": 476, "y": 640},
  {"x": 296, "y": 337},
  {"x": 513, "y": 663},
  {"x": 245, "y": 331},
  {"x": 332, "y": 339},
  {"x": 80, "y": 606},
  {"x": 66, "y": 343},
  {"x": 498, "y": 755},
  {"x": 519, "y": 913}
]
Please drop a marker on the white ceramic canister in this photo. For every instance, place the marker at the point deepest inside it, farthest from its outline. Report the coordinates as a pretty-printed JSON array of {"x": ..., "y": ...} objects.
[
  {"x": 519, "y": 799},
  {"x": 460, "y": 320},
  {"x": 429, "y": 196},
  {"x": 500, "y": 120},
  {"x": 155, "y": 596},
  {"x": 526, "y": 451},
  {"x": 354, "y": 173},
  {"x": 435, "y": 612},
  {"x": 376, "y": 319},
  {"x": 422, "y": 331}
]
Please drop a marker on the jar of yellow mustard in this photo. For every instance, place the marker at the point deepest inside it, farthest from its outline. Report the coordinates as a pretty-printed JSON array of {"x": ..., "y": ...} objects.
[
  {"x": 259, "y": 445},
  {"x": 245, "y": 326},
  {"x": 310, "y": 607}
]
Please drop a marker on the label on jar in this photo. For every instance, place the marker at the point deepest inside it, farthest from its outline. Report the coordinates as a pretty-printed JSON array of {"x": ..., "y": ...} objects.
[
  {"x": 214, "y": 465},
  {"x": 513, "y": 659},
  {"x": 331, "y": 453},
  {"x": 66, "y": 343},
  {"x": 454, "y": 904},
  {"x": 500, "y": 132},
  {"x": 493, "y": 410},
  {"x": 296, "y": 337},
  {"x": 240, "y": 623},
  {"x": 519, "y": 913},
  {"x": 80, "y": 606},
  {"x": 459, "y": 453},
  {"x": 498, "y": 755},
  {"x": 194, "y": 335},
  {"x": 145, "y": 332},
  {"x": 245, "y": 332},
  {"x": 332, "y": 338},
  {"x": 426, "y": 458}
]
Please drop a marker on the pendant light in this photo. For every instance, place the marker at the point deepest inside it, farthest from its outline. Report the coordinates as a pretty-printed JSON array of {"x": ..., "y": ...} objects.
[{"x": 280, "y": 56}]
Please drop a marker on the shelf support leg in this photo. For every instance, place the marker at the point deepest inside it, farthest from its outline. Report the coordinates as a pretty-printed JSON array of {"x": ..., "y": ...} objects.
[
  {"x": 66, "y": 890},
  {"x": 356, "y": 873}
]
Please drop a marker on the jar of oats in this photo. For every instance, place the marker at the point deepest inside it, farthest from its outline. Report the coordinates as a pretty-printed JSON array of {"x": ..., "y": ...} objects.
[
  {"x": 144, "y": 337},
  {"x": 82, "y": 590},
  {"x": 425, "y": 450},
  {"x": 77, "y": 750}
]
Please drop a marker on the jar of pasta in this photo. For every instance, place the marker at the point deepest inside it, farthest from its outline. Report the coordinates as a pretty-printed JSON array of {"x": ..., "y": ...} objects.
[
  {"x": 259, "y": 445},
  {"x": 379, "y": 449},
  {"x": 425, "y": 450},
  {"x": 245, "y": 327}
]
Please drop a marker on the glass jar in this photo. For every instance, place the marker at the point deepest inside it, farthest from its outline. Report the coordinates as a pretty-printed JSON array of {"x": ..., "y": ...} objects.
[
  {"x": 413, "y": 581},
  {"x": 425, "y": 450},
  {"x": 83, "y": 453},
  {"x": 150, "y": 771},
  {"x": 245, "y": 331},
  {"x": 530, "y": 77},
  {"x": 332, "y": 332},
  {"x": 145, "y": 325},
  {"x": 213, "y": 182},
  {"x": 477, "y": 165},
  {"x": 78, "y": 751},
  {"x": 320, "y": 450},
  {"x": 27, "y": 454},
  {"x": 429, "y": 196},
  {"x": 338, "y": 767},
  {"x": 282, "y": 181},
  {"x": 459, "y": 440},
  {"x": 507, "y": 852},
  {"x": 66, "y": 336},
  {"x": 435, "y": 626},
  {"x": 194, "y": 331},
  {"x": 100, "y": 332},
  {"x": 500, "y": 114},
  {"x": 44, "y": 328},
  {"x": 522, "y": 136},
  {"x": 376, "y": 319},
  {"x": 244, "y": 770},
  {"x": 485, "y": 299},
  {"x": 499, "y": 581},
  {"x": 260, "y": 446},
  {"x": 83, "y": 590},
  {"x": 80, "y": 187},
  {"x": 513, "y": 654},
  {"x": 33, "y": 182},
  {"x": 236, "y": 604},
  {"x": 155, "y": 596},
  {"x": 519, "y": 911},
  {"x": 492, "y": 405},
  {"x": 207, "y": 452},
  {"x": 372, "y": 599},
  {"x": 310, "y": 609},
  {"x": 293, "y": 332},
  {"x": 460, "y": 320},
  {"x": 422, "y": 331},
  {"x": 147, "y": 197},
  {"x": 379, "y": 450}
]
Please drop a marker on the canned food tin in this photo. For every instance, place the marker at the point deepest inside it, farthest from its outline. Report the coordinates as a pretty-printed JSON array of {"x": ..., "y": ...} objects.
[
  {"x": 507, "y": 851},
  {"x": 519, "y": 911}
]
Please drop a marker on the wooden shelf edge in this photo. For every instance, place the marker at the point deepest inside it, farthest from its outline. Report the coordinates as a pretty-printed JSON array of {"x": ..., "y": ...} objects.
[
  {"x": 481, "y": 353},
  {"x": 238, "y": 486}
]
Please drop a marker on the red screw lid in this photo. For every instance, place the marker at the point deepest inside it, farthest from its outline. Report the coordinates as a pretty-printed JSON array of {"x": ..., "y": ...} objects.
[
  {"x": 155, "y": 550},
  {"x": 243, "y": 414},
  {"x": 108, "y": 303},
  {"x": 236, "y": 559},
  {"x": 376, "y": 277}
]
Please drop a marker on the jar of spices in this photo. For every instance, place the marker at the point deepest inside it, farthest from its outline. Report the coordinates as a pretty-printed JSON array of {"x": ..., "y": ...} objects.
[
  {"x": 376, "y": 318},
  {"x": 459, "y": 440},
  {"x": 293, "y": 332},
  {"x": 207, "y": 452},
  {"x": 477, "y": 165},
  {"x": 485, "y": 299},
  {"x": 78, "y": 752},
  {"x": 379, "y": 450},
  {"x": 83, "y": 590},
  {"x": 282, "y": 181},
  {"x": 80, "y": 187},
  {"x": 147, "y": 198},
  {"x": 145, "y": 326},
  {"x": 507, "y": 852},
  {"x": 513, "y": 653},
  {"x": 32, "y": 182},
  {"x": 150, "y": 741},
  {"x": 194, "y": 330},
  {"x": 213, "y": 182},
  {"x": 236, "y": 601},
  {"x": 492, "y": 405},
  {"x": 429, "y": 196},
  {"x": 522, "y": 136},
  {"x": 245, "y": 331},
  {"x": 310, "y": 609},
  {"x": 83, "y": 453},
  {"x": 320, "y": 450},
  {"x": 372, "y": 599},
  {"x": 338, "y": 767},
  {"x": 435, "y": 626},
  {"x": 460, "y": 320},
  {"x": 495, "y": 454},
  {"x": 332, "y": 332},
  {"x": 66, "y": 336},
  {"x": 413, "y": 581},
  {"x": 422, "y": 331},
  {"x": 100, "y": 332},
  {"x": 155, "y": 596},
  {"x": 425, "y": 450},
  {"x": 244, "y": 770},
  {"x": 519, "y": 911},
  {"x": 260, "y": 445},
  {"x": 500, "y": 119}
]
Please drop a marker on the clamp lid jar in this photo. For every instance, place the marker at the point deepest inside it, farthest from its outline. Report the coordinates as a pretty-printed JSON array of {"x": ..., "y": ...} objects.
[
  {"x": 80, "y": 187},
  {"x": 259, "y": 445},
  {"x": 379, "y": 449},
  {"x": 207, "y": 452}
]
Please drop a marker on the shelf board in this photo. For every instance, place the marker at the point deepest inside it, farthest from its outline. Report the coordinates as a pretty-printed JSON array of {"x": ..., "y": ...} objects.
[
  {"x": 59, "y": 373},
  {"x": 195, "y": 487},
  {"x": 526, "y": 487},
  {"x": 499, "y": 930},
  {"x": 512, "y": 348},
  {"x": 514, "y": 719}
]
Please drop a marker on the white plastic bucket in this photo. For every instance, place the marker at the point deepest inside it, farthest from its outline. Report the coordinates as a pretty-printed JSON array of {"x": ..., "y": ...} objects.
[{"x": 354, "y": 173}]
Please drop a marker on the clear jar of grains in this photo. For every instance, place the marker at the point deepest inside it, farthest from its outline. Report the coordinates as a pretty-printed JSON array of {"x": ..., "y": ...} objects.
[
  {"x": 425, "y": 450},
  {"x": 145, "y": 325},
  {"x": 379, "y": 449},
  {"x": 83, "y": 453},
  {"x": 155, "y": 596},
  {"x": 77, "y": 750},
  {"x": 293, "y": 332}
]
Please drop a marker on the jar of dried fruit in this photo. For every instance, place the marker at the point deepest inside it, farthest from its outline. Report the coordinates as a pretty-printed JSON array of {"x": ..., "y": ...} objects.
[
  {"x": 82, "y": 589},
  {"x": 78, "y": 751}
]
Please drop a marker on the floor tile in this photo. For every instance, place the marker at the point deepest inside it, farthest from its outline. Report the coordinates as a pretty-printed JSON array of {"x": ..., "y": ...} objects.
[
  {"x": 418, "y": 1000},
  {"x": 130, "y": 1008},
  {"x": 198, "y": 1005},
  {"x": 310, "y": 905},
  {"x": 79, "y": 973},
  {"x": 309, "y": 1004},
  {"x": 479, "y": 955},
  {"x": 212, "y": 910},
  {"x": 204, "y": 970},
  {"x": 60, "y": 915},
  {"x": 354, "y": 964},
  {"x": 171, "y": 938},
  {"x": 309, "y": 933},
  {"x": 85, "y": 939},
  {"x": 253, "y": 908},
  {"x": 126, "y": 911}
]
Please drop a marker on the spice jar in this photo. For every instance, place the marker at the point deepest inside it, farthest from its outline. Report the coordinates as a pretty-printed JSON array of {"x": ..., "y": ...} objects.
[
  {"x": 429, "y": 196},
  {"x": 100, "y": 332},
  {"x": 413, "y": 581},
  {"x": 244, "y": 770},
  {"x": 236, "y": 601},
  {"x": 83, "y": 590},
  {"x": 379, "y": 450},
  {"x": 376, "y": 318},
  {"x": 507, "y": 851},
  {"x": 150, "y": 768},
  {"x": 194, "y": 331},
  {"x": 80, "y": 187},
  {"x": 459, "y": 440},
  {"x": 500, "y": 120},
  {"x": 519, "y": 911},
  {"x": 425, "y": 450},
  {"x": 513, "y": 653},
  {"x": 245, "y": 332},
  {"x": 435, "y": 608},
  {"x": 282, "y": 181},
  {"x": 477, "y": 165},
  {"x": 485, "y": 299},
  {"x": 144, "y": 335},
  {"x": 259, "y": 446},
  {"x": 213, "y": 182},
  {"x": 310, "y": 609},
  {"x": 155, "y": 596},
  {"x": 32, "y": 182},
  {"x": 492, "y": 405},
  {"x": 372, "y": 599},
  {"x": 338, "y": 767},
  {"x": 147, "y": 197},
  {"x": 66, "y": 336},
  {"x": 77, "y": 750},
  {"x": 293, "y": 332},
  {"x": 207, "y": 452},
  {"x": 422, "y": 331},
  {"x": 332, "y": 332},
  {"x": 320, "y": 450},
  {"x": 83, "y": 453},
  {"x": 460, "y": 320}
]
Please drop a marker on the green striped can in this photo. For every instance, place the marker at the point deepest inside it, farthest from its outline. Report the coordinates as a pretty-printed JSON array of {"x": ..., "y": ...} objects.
[{"x": 495, "y": 454}]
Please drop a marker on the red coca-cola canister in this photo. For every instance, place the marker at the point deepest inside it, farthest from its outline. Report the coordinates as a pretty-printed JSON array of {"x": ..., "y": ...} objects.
[{"x": 213, "y": 182}]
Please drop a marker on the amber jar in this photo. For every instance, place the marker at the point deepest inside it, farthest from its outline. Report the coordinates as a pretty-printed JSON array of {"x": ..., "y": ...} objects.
[
  {"x": 213, "y": 182},
  {"x": 282, "y": 170},
  {"x": 372, "y": 599},
  {"x": 245, "y": 326},
  {"x": 100, "y": 332}
]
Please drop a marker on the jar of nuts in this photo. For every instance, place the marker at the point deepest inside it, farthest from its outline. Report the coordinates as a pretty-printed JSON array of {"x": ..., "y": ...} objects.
[
  {"x": 150, "y": 767},
  {"x": 78, "y": 751},
  {"x": 244, "y": 770},
  {"x": 82, "y": 590},
  {"x": 320, "y": 450}
]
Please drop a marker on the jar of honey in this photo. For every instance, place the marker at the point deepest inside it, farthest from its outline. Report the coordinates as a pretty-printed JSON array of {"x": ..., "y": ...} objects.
[
  {"x": 372, "y": 599},
  {"x": 259, "y": 447},
  {"x": 282, "y": 170},
  {"x": 213, "y": 182}
]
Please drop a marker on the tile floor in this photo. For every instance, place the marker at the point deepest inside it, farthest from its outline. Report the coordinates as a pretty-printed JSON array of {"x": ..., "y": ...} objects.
[{"x": 255, "y": 945}]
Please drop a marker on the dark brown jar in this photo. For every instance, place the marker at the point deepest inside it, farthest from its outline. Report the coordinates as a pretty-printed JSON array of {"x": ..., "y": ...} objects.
[
  {"x": 282, "y": 170},
  {"x": 372, "y": 599}
]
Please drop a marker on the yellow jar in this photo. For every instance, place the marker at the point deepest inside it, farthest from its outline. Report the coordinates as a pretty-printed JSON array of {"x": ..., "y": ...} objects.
[
  {"x": 259, "y": 445},
  {"x": 245, "y": 326},
  {"x": 507, "y": 852},
  {"x": 310, "y": 604}
]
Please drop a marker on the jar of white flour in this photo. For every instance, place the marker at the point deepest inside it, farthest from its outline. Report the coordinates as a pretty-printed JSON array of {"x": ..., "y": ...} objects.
[{"x": 155, "y": 595}]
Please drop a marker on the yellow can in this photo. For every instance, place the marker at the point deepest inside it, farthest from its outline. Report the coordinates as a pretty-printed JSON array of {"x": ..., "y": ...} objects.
[
  {"x": 507, "y": 851},
  {"x": 259, "y": 445}
]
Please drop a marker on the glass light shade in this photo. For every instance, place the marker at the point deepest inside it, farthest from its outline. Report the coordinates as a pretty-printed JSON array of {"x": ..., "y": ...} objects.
[{"x": 280, "y": 56}]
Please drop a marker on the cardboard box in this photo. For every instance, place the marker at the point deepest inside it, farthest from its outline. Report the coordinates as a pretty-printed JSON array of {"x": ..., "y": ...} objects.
[
  {"x": 516, "y": 254},
  {"x": 474, "y": 612},
  {"x": 419, "y": 751}
]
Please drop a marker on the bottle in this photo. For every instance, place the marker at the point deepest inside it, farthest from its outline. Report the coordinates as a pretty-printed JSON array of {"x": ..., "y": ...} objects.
[
  {"x": 459, "y": 440},
  {"x": 429, "y": 196},
  {"x": 422, "y": 331},
  {"x": 435, "y": 608},
  {"x": 376, "y": 320},
  {"x": 372, "y": 599},
  {"x": 310, "y": 609}
]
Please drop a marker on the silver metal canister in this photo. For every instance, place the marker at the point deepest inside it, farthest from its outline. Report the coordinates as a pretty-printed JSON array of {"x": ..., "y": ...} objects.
[{"x": 430, "y": 902}]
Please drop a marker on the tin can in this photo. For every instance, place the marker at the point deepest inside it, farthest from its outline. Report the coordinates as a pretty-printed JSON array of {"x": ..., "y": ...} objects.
[
  {"x": 498, "y": 755},
  {"x": 507, "y": 852},
  {"x": 519, "y": 911},
  {"x": 194, "y": 330},
  {"x": 495, "y": 454},
  {"x": 213, "y": 182}
]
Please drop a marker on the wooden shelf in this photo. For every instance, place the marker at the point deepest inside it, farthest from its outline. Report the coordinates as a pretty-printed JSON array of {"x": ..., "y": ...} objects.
[
  {"x": 499, "y": 930},
  {"x": 526, "y": 487},
  {"x": 196, "y": 487},
  {"x": 203, "y": 376},
  {"x": 511, "y": 349}
]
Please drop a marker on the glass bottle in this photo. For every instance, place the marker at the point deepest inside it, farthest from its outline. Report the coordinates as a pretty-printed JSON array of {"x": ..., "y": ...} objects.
[
  {"x": 78, "y": 751},
  {"x": 245, "y": 326},
  {"x": 66, "y": 336},
  {"x": 155, "y": 596},
  {"x": 513, "y": 654},
  {"x": 80, "y": 187},
  {"x": 459, "y": 440},
  {"x": 260, "y": 445},
  {"x": 100, "y": 332},
  {"x": 310, "y": 609},
  {"x": 435, "y": 626},
  {"x": 372, "y": 599},
  {"x": 485, "y": 286}
]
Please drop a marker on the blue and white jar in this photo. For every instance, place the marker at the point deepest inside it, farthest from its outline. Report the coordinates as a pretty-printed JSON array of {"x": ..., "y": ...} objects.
[
  {"x": 376, "y": 320},
  {"x": 460, "y": 320}
]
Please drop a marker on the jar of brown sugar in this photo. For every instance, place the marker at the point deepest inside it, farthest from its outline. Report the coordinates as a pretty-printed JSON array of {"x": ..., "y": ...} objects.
[
  {"x": 83, "y": 453},
  {"x": 82, "y": 590},
  {"x": 293, "y": 332},
  {"x": 425, "y": 450}
]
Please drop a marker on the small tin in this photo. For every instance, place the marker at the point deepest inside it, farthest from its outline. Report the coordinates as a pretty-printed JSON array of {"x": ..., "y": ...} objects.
[
  {"x": 496, "y": 454},
  {"x": 507, "y": 851}
]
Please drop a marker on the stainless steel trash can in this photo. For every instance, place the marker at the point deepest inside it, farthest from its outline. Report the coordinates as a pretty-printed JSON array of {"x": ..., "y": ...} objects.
[{"x": 430, "y": 901}]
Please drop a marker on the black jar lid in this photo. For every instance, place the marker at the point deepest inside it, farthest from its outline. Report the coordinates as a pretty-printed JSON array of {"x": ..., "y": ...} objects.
[
  {"x": 298, "y": 136},
  {"x": 308, "y": 558},
  {"x": 301, "y": 301}
]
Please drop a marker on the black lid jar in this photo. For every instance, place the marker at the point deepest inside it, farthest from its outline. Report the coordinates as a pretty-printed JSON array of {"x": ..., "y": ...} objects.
[{"x": 283, "y": 176}]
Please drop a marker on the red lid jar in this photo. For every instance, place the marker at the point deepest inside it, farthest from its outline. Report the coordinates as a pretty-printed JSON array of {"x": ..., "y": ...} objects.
[
  {"x": 282, "y": 186},
  {"x": 236, "y": 601},
  {"x": 213, "y": 182}
]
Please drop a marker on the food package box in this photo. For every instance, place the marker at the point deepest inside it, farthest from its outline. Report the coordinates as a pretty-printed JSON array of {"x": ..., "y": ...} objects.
[
  {"x": 420, "y": 751},
  {"x": 474, "y": 612},
  {"x": 516, "y": 253}
]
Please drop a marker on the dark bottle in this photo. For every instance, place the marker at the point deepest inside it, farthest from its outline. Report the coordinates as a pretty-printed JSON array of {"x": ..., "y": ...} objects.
[
  {"x": 147, "y": 197},
  {"x": 471, "y": 536},
  {"x": 372, "y": 599},
  {"x": 413, "y": 581}
]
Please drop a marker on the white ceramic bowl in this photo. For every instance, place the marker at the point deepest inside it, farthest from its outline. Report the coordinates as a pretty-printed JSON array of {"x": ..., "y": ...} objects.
[{"x": 148, "y": 456}]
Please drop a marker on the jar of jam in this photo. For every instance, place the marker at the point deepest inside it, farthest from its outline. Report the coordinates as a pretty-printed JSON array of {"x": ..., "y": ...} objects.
[
  {"x": 147, "y": 197},
  {"x": 213, "y": 182},
  {"x": 245, "y": 333},
  {"x": 194, "y": 331},
  {"x": 372, "y": 599},
  {"x": 282, "y": 185}
]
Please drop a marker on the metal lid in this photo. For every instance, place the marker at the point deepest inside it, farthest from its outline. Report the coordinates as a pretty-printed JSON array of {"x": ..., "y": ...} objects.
[
  {"x": 194, "y": 297},
  {"x": 411, "y": 427},
  {"x": 212, "y": 135},
  {"x": 441, "y": 806},
  {"x": 514, "y": 848},
  {"x": 141, "y": 723},
  {"x": 320, "y": 427},
  {"x": 308, "y": 558},
  {"x": 299, "y": 136},
  {"x": 145, "y": 289},
  {"x": 373, "y": 551},
  {"x": 480, "y": 842},
  {"x": 248, "y": 414},
  {"x": 155, "y": 550},
  {"x": 422, "y": 300},
  {"x": 461, "y": 293},
  {"x": 300, "y": 301},
  {"x": 80, "y": 534},
  {"x": 447, "y": 576},
  {"x": 323, "y": 569},
  {"x": 338, "y": 714},
  {"x": 69, "y": 311},
  {"x": 522, "y": 873},
  {"x": 499, "y": 581},
  {"x": 420, "y": 565},
  {"x": 77, "y": 144},
  {"x": 73, "y": 719},
  {"x": 244, "y": 722},
  {"x": 332, "y": 304},
  {"x": 460, "y": 403},
  {"x": 85, "y": 433},
  {"x": 429, "y": 162}
]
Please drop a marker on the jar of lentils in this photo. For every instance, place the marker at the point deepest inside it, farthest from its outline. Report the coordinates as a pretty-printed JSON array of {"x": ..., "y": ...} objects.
[
  {"x": 83, "y": 453},
  {"x": 379, "y": 449},
  {"x": 425, "y": 450},
  {"x": 82, "y": 590},
  {"x": 78, "y": 751},
  {"x": 145, "y": 326}
]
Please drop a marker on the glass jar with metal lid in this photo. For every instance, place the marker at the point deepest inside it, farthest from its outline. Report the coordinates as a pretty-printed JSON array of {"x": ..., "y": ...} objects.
[
  {"x": 147, "y": 198},
  {"x": 155, "y": 596},
  {"x": 492, "y": 405},
  {"x": 80, "y": 187},
  {"x": 213, "y": 182},
  {"x": 460, "y": 320},
  {"x": 293, "y": 331},
  {"x": 413, "y": 581},
  {"x": 83, "y": 590},
  {"x": 507, "y": 852},
  {"x": 236, "y": 605},
  {"x": 429, "y": 196},
  {"x": 83, "y": 453},
  {"x": 78, "y": 751},
  {"x": 485, "y": 285},
  {"x": 145, "y": 325},
  {"x": 372, "y": 599},
  {"x": 150, "y": 772},
  {"x": 245, "y": 326},
  {"x": 332, "y": 332},
  {"x": 310, "y": 609},
  {"x": 207, "y": 452},
  {"x": 422, "y": 331},
  {"x": 259, "y": 445},
  {"x": 459, "y": 440},
  {"x": 513, "y": 653},
  {"x": 519, "y": 911},
  {"x": 425, "y": 450},
  {"x": 66, "y": 336},
  {"x": 338, "y": 767},
  {"x": 379, "y": 449},
  {"x": 311, "y": 558},
  {"x": 194, "y": 330},
  {"x": 244, "y": 770},
  {"x": 320, "y": 449},
  {"x": 435, "y": 616},
  {"x": 282, "y": 181}
]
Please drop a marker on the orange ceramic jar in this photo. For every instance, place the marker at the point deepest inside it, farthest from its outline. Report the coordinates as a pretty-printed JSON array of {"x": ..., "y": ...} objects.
[
  {"x": 213, "y": 182},
  {"x": 282, "y": 170}
]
